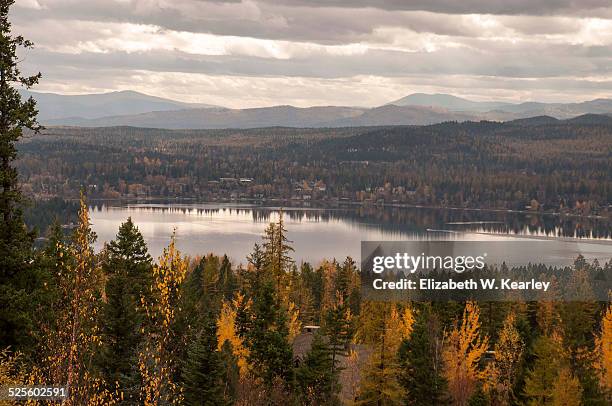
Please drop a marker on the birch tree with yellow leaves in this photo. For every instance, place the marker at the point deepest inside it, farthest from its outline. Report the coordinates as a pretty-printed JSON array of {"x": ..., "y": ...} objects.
[
  {"x": 158, "y": 361},
  {"x": 227, "y": 331},
  {"x": 463, "y": 349},
  {"x": 73, "y": 339}
]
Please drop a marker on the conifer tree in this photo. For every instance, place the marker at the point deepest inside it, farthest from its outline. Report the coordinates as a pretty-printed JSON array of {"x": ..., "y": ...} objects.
[
  {"x": 204, "y": 372},
  {"x": 550, "y": 358},
  {"x": 463, "y": 349},
  {"x": 227, "y": 279},
  {"x": 277, "y": 259},
  {"x": 316, "y": 377},
  {"x": 262, "y": 318},
  {"x": 18, "y": 276},
  {"x": 263, "y": 326},
  {"x": 338, "y": 327},
  {"x": 566, "y": 390},
  {"x": 232, "y": 370},
  {"x": 128, "y": 269},
  {"x": 419, "y": 356},
  {"x": 501, "y": 374},
  {"x": 380, "y": 384}
]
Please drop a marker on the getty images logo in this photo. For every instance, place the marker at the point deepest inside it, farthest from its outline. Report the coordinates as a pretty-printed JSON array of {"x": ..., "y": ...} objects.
[{"x": 422, "y": 262}]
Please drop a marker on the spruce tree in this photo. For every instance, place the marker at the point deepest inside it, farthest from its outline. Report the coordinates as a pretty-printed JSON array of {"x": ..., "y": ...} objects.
[
  {"x": 204, "y": 373},
  {"x": 316, "y": 376},
  {"x": 420, "y": 368},
  {"x": 18, "y": 279},
  {"x": 277, "y": 259},
  {"x": 263, "y": 326},
  {"x": 231, "y": 369},
  {"x": 128, "y": 269},
  {"x": 227, "y": 279}
]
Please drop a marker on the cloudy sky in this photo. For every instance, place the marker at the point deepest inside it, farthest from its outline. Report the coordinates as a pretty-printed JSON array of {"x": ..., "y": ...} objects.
[{"x": 246, "y": 53}]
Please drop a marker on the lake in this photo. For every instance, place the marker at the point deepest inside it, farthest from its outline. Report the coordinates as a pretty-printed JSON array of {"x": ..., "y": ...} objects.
[{"x": 233, "y": 229}]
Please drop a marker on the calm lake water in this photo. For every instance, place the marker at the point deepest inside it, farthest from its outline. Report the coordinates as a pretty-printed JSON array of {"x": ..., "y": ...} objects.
[{"x": 336, "y": 233}]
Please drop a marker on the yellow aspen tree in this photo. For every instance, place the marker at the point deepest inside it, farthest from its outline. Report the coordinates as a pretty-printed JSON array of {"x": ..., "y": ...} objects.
[
  {"x": 157, "y": 361},
  {"x": 71, "y": 343},
  {"x": 226, "y": 331},
  {"x": 463, "y": 348},
  {"x": 603, "y": 353},
  {"x": 293, "y": 323},
  {"x": 501, "y": 374}
]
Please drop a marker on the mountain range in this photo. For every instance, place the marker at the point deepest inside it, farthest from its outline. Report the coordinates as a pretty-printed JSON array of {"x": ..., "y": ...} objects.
[
  {"x": 129, "y": 108},
  {"x": 53, "y": 106}
]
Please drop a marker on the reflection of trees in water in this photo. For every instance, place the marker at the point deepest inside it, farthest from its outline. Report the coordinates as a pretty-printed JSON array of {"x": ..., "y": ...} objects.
[{"x": 414, "y": 220}]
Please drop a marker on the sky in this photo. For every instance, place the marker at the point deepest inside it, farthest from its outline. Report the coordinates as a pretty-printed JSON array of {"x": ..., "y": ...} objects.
[{"x": 245, "y": 53}]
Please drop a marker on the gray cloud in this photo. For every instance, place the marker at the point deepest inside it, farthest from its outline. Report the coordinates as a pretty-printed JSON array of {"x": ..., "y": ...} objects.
[
  {"x": 488, "y": 49},
  {"x": 511, "y": 7}
]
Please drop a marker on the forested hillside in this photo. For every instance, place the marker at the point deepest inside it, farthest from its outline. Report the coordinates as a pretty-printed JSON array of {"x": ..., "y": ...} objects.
[
  {"x": 127, "y": 329},
  {"x": 558, "y": 166}
]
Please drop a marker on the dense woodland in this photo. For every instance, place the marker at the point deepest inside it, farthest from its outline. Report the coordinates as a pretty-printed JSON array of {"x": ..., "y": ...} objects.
[
  {"x": 563, "y": 167},
  {"x": 122, "y": 328},
  {"x": 119, "y": 327}
]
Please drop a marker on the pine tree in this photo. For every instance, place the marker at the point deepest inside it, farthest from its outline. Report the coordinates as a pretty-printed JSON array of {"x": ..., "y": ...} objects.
[
  {"x": 420, "y": 363},
  {"x": 227, "y": 279},
  {"x": 277, "y": 259},
  {"x": 232, "y": 370},
  {"x": 204, "y": 372},
  {"x": 128, "y": 269},
  {"x": 338, "y": 327},
  {"x": 263, "y": 327},
  {"x": 18, "y": 275},
  {"x": 316, "y": 377},
  {"x": 262, "y": 317},
  {"x": 463, "y": 349}
]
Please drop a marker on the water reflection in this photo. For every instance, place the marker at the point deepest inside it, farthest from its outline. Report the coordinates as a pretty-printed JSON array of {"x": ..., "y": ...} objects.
[{"x": 329, "y": 233}]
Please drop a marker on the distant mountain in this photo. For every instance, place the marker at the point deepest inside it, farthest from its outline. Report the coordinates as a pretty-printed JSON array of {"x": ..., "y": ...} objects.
[
  {"x": 402, "y": 115},
  {"x": 285, "y": 116},
  {"x": 447, "y": 101},
  {"x": 503, "y": 111},
  {"x": 53, "y": 107},
  {"x": 128, "y": 108},
  {"x": 598, "y": 119}
]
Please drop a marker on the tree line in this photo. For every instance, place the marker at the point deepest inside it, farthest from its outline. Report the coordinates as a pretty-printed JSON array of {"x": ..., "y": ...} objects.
[{"x": 562, "y": 167}]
